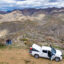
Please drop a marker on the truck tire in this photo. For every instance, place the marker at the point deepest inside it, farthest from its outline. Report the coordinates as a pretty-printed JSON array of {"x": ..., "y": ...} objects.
[
  {"x": 36, "y": 56},
  {"x": 57, "y": 59}
]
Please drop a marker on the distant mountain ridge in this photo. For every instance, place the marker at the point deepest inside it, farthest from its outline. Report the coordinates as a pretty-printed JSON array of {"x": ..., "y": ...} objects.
[
  {"x": 3, "y": 12},
  {"x": 31, "y": 11}
]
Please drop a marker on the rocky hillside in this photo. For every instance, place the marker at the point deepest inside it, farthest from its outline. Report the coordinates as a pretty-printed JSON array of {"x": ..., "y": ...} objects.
[{"x": 34, "y": 25}]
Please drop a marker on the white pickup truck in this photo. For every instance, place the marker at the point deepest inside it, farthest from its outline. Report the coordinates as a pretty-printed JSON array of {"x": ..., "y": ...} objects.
[{"x": 46, "y": 52}]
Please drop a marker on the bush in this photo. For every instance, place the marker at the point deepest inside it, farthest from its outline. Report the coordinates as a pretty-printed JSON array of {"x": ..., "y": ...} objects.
[
  {"x": 63, "y": 56},
  {"x": 24, "y": 39},
  {"x": 2, "y": 45}
]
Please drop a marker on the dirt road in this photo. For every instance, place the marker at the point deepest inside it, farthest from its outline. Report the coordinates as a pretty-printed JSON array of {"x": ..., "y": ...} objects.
[{"x": 21, "y": 56}]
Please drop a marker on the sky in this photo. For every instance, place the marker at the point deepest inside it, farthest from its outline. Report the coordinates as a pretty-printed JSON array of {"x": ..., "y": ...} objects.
[{"x": 6, "y": 5}]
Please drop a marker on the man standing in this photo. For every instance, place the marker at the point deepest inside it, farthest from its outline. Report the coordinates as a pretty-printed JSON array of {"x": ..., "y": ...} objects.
[{"x": 8, "y": 42}]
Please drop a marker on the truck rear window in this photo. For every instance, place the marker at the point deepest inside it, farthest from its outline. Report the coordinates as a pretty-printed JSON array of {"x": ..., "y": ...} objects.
[{"x": 34, "y": 50}]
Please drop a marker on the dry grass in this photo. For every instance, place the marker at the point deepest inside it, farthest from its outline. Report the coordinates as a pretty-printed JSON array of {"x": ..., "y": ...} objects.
[{"x": 21, "y": 56}]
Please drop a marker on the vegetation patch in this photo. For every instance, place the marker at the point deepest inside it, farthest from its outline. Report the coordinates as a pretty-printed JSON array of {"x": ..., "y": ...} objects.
[
  {"x": 2, "y": 46},
  {"x": 63, "y": 56},
  {"x": 58, "y": 47},
  {"x": 27, "y": 61},
  {"x": 24, "y": 39},
  {"x": 4, "y": 63}
]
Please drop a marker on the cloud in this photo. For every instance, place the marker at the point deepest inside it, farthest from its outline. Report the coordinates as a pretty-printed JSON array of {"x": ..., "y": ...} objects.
[
  {"x": 15, "y": 4},
  {"x": 53, "y": 1}
]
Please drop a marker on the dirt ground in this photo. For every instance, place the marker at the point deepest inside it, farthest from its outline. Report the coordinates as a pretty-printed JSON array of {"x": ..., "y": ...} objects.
[{"x": 21, "y": 56}]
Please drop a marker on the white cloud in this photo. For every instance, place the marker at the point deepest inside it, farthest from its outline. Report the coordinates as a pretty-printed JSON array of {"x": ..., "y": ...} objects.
[{"x": 6, "y": 4}]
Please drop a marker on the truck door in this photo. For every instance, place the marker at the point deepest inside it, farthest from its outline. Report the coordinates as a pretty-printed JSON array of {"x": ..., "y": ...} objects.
[{"x": 44, "y": 53}]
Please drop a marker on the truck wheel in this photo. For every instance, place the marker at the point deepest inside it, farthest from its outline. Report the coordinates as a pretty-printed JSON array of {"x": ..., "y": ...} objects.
[
  {"x": 57, "y": 59},
  {"x": 36, "y": 56}
]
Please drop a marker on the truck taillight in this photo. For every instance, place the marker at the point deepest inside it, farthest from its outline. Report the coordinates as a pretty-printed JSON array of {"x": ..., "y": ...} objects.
[{"x": 30, "y": 48}]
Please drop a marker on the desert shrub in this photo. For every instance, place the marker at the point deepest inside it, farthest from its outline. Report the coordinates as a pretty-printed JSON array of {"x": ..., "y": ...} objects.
[
  {"x": 58, "y": 47},
  {"x": 24, "y": 39},
  {"x": 2, "y": 45},
  {"x": 27, "y": 61},
  {"x": 63, "y": 56},
  {"x": 62, "y": 40},
  {"x": 4, "y": 63}
]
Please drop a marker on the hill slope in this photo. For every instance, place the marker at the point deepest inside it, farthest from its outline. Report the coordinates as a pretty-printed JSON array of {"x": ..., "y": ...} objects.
[{"x": 37, "y": 27}]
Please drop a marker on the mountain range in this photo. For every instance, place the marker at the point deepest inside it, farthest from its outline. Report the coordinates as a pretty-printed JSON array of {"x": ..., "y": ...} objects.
[{"x": 30, "y": 11}]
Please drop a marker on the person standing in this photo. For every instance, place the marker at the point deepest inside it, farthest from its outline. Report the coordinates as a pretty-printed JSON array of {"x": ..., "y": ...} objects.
[{"x": 8, "y": 42}]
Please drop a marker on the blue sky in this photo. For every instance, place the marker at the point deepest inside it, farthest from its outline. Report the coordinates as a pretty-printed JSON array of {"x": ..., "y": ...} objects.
[{"x": 18, "y": 4}]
